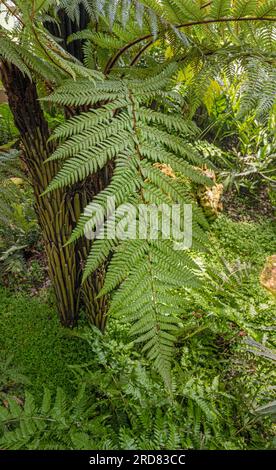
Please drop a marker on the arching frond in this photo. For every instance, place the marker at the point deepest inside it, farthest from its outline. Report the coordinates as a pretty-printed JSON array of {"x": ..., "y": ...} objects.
[{"x": 140, "y": 141}]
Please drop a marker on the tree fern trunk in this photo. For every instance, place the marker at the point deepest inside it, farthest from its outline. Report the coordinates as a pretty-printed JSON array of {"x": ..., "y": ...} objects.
[
  {"x": 96, "y": 309},
  {"x": 58, "y": 212}
]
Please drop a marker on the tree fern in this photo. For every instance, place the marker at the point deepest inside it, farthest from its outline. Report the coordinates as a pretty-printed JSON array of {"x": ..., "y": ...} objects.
[
  {"x": 9, "y": 52},
  {"x": 123, "y": 129},
  {"x": 138, "y": 140},
  {"x": 258, "y": 90}
]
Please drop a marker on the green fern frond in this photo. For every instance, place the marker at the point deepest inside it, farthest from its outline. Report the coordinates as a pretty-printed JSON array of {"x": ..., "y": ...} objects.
[
  {"x": 53, "y": 424},
  {"x": 9, "y": 52},
  {"x": 119, "y": 130}
]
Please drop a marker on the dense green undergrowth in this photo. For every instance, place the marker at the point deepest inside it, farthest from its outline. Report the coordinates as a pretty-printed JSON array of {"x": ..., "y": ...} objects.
[
  {"x": 113, "y": 392},
  {"x": 249, "y": 241},
  {"x": 239, "y": 252}
]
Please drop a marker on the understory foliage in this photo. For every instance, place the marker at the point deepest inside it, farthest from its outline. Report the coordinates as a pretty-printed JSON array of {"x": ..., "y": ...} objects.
[
  {"x": 121, "y": 405},
  {"x": 20, "y": 245},
  {"x": 218, "y": 385},
  {"x": 247, "y": 162}
]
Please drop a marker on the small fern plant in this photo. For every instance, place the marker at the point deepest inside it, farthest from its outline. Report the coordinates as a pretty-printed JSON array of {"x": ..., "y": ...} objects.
[
  {"x": 121, "y": 128},
  {"x": 56, "y": 423}
]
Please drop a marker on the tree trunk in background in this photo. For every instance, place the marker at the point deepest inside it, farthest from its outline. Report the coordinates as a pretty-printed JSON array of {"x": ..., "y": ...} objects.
[{"x": 58, "y": 211}]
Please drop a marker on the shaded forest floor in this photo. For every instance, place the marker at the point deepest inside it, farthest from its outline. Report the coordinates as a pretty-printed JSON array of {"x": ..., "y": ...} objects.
[{"x": 30, "y": 332}]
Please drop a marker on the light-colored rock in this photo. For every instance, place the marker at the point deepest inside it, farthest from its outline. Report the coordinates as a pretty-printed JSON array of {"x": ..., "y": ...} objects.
[
  {"x": 209, "y": 198},
  {"x": 17, "y": 181},
  {"x": 268, "y": 275},
  {"x": 166, "y": 169}
]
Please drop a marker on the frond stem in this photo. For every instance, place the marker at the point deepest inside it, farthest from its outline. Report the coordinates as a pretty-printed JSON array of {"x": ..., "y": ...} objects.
[
  {"x": 12, "y": 12},
  {"x": 116, "y": 57}
]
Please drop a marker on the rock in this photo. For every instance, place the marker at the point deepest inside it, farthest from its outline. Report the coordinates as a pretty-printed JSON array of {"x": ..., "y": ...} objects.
[
  {"x": 17, "y": 181},
  {"x": 166, "y": 169},
  {"x": 209, "y": 198},
  {"x": 268, "y": 275}
]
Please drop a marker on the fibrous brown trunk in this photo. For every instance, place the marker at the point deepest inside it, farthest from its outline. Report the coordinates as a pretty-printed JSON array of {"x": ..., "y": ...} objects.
[{"x": 58, "y": 211}]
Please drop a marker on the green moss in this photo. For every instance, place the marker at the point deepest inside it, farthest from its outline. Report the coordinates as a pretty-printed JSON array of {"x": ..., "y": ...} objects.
[
  {"x": 41, "y": 348},
  {"x": 250, "y": 242}
]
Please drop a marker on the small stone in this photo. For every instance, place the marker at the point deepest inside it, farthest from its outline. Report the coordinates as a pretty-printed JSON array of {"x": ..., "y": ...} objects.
[
  {"x": 268, "y": 274},
  {"x": 17, "y": 181},
  {"x": 210, "y": 197},
  {"x": 166, "y": 169}
]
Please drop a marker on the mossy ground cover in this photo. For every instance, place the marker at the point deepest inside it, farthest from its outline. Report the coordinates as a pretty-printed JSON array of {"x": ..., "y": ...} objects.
[{"x": 41, "y": 348}]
